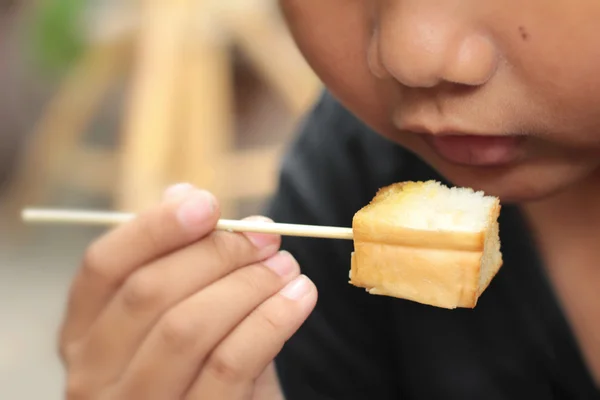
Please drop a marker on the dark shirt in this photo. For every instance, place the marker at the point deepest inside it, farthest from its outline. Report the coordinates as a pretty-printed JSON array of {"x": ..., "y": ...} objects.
[{"x": 516, "y": 344}]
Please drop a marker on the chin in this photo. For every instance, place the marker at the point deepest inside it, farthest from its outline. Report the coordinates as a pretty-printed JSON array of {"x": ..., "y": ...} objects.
[
  {"x": 514, "y": 185},
  {"x": 518, "y": 183},
  {"x": 517, "y": 191}
]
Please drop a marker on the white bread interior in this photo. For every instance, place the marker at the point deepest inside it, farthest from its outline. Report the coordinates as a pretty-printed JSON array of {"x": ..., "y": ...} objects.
[{"x": 428, "y": 243}]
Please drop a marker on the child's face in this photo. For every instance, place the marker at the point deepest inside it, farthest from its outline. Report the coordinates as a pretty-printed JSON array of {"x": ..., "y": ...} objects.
[{"x": 521, "y": 78}]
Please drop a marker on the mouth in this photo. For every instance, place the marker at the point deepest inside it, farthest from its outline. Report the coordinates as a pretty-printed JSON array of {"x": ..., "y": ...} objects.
[
  {"x": 472, "y": 150},
  {"x": 468, "y": 149},
  {"x": 475, "y": 150}
]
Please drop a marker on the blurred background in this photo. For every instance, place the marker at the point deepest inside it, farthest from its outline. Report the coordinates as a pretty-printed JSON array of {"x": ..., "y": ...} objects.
[{"x": 104, "y": 103}]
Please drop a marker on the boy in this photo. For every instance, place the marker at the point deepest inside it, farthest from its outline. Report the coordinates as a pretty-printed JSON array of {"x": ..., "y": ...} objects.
[{"x": 497, "y": 95}]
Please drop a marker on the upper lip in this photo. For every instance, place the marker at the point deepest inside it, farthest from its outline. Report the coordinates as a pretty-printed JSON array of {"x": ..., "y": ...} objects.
[{"x": 444, "y": 131}]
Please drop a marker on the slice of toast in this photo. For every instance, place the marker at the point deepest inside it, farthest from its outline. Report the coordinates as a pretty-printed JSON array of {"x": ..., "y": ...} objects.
[{"x": 428, "y": 243}]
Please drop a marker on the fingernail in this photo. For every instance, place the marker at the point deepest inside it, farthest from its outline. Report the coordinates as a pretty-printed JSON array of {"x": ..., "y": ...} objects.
[
  {"x": 296, "y": 289},
  {"x": 177, "y": 191},
  {"x": 197, "y": 208},
  {"x": 282, "y": 263},
  {"x": 261, "y": 240}
]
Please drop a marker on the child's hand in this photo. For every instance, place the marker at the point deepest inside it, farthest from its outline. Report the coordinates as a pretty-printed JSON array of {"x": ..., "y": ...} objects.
[{"x": 165, "y": 307}]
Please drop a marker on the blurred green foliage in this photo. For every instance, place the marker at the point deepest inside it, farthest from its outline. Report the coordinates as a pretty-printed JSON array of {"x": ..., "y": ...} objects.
[{"x": 55, "y": 36}]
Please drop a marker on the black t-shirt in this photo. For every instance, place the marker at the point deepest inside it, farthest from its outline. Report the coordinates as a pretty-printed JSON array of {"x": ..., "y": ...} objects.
[{"x": 516, "y": 344}]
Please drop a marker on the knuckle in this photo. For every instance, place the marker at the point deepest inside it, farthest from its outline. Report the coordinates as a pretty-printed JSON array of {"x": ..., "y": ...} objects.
[
  {"x": 255, "y": 279},
  {"x": 67, "y": 351},
  {"x": 224, "y": 247},
  {"x": 91, "y": 258},
  {"x": 231, "y": 250},
  {"x": 63, "y": 352},
  {"x": 62, "y": 342},
  {"x": 141, "y": 292},
  {"x": 94, "y": 265},
  {"x": 273, "y": 320},
  {"x": 77, "y": 388},
  {"x": 150, "y": 227},
  {"x": 178, "y": 333},
  {"x": 223, "y": 367}
]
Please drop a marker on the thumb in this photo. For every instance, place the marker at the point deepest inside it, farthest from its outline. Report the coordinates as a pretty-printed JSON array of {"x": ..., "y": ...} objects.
[{"x": 186, "y": 215}]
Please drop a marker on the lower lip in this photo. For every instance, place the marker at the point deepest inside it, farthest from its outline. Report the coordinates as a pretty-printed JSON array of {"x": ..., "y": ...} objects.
[{"x": 476, "y": 150}]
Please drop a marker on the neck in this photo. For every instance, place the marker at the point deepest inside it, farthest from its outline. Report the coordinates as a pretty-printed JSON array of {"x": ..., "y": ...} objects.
[
  {"x": 575, "y": 210},
  {"x": 567, "y": 231}
]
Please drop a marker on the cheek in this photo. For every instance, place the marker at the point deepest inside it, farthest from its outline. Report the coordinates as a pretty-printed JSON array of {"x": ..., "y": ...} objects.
[
  {"x": 558, "y": 61},
  {"x": 552, "y": 50},
  {"x": 334, "y": 36}
]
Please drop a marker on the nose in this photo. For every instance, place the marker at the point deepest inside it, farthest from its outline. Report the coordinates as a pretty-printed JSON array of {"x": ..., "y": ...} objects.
[{"x": 422, "y": 46}]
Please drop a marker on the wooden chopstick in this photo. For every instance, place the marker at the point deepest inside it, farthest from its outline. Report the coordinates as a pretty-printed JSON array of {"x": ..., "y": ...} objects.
[{"x": 106, "y": 218}]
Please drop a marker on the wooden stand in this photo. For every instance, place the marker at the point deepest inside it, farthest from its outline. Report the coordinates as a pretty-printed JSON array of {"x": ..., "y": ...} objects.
[{"x": 178, "y": 123}]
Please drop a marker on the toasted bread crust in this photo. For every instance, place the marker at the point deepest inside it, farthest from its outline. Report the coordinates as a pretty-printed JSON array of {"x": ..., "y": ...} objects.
[
  {"x": 493, "y": 240},
  {"x": 441, "y": 269},
  {"x": 440, "y": 278},
  {"x": 364, "y": 231}
]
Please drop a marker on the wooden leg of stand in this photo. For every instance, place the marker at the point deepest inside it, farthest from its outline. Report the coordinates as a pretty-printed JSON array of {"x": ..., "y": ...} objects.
[
  {"x": 260, "y": 33},
  {"x": 149, "y": 125},
  {"x": 207, "y": 136},
  {"x": 59, "y": 132}
]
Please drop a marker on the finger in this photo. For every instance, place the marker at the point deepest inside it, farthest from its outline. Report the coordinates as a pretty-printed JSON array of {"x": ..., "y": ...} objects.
[
  {"x": 186, "y": 215},
  {"x": 267, "y": 385},
  {"x": 236, "y": 363},
  {"x": 168, "y": 361},
  {"x": 152, "y": 290}
]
